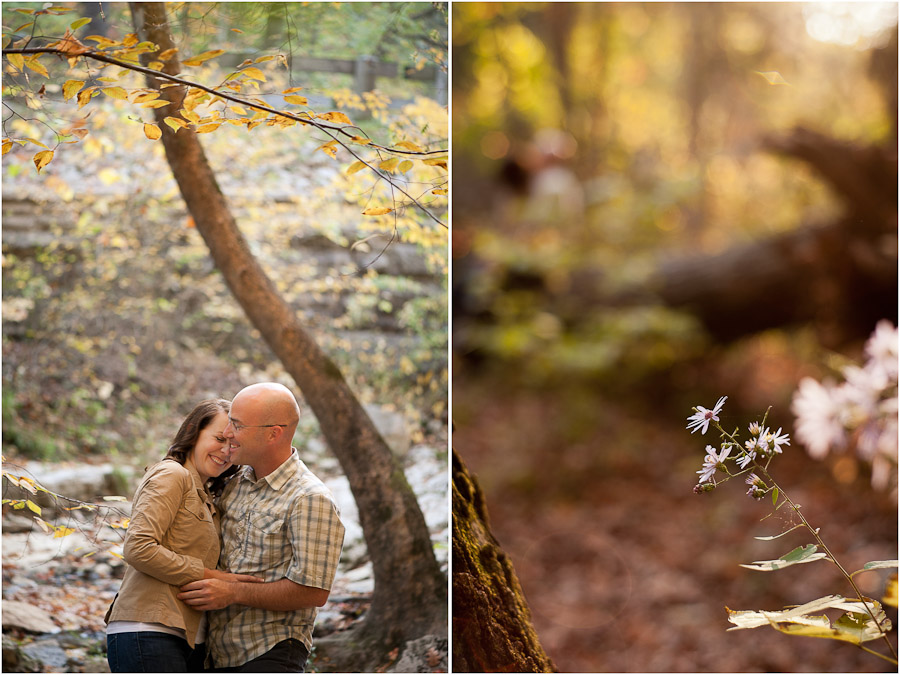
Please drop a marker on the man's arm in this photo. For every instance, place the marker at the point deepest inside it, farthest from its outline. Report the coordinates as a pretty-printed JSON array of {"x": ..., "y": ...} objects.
[{"x": 283, "y": 595}]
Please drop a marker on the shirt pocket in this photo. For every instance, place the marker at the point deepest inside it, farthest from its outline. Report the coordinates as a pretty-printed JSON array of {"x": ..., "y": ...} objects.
[{"x": 265, "y": 540}]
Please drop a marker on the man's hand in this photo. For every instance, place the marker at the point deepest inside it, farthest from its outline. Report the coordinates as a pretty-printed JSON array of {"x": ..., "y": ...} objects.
[{"x": 207, "y": 594}]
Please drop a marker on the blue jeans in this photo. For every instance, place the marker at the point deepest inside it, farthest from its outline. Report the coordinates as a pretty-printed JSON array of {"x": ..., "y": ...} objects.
[
  {"x": 149, "y": 652},
  {"x": 288, "y": 656}
]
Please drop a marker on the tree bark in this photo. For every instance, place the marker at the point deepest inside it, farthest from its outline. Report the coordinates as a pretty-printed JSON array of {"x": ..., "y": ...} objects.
[
  {"x": 410, "y": 597},
  {"x": 492, "y": 629}
]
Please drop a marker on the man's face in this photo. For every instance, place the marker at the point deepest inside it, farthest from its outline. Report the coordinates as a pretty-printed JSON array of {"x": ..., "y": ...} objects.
[{"x": 243, "y": 437}]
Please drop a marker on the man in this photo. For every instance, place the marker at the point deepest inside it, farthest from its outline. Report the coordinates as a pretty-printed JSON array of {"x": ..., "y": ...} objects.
[{"x": 280, "y": 521}]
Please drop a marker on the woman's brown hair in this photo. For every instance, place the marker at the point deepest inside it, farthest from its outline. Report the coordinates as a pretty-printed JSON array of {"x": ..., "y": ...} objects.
[{"x": 186, "y": 438}]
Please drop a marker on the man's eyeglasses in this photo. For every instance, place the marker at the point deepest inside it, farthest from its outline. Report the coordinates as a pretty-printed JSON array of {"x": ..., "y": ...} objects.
[{"x": 238, "y": 427}]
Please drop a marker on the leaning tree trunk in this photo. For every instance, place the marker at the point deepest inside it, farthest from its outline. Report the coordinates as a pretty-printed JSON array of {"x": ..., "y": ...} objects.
[
  {"x": 409, "y": 599},
  {"x": 492, "y": 630}
]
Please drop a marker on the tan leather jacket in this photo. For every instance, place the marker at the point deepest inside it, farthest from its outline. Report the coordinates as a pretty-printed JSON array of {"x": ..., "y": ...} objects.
[{"x": 173, "y": 535}]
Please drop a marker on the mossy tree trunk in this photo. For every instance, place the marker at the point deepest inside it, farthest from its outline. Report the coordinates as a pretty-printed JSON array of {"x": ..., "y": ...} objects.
[{"x": 492, "y": 629}]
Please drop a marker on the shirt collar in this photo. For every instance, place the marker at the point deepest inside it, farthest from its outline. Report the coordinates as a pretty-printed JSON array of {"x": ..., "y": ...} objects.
[{"x": 277, "y": 479}]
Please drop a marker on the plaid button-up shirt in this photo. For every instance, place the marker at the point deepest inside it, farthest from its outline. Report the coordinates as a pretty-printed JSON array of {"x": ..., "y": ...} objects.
[{"x": 284, "y": 525}]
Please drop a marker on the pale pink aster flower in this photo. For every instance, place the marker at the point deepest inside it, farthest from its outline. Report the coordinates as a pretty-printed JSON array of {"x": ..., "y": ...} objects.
[
  {"x": 882, "y": 348},
  {"x": 818, "y": 414},
  {"x": 702, "y": 417},
  {"x": 779, "y": 439},
  {"x": 712, "y": 461}
]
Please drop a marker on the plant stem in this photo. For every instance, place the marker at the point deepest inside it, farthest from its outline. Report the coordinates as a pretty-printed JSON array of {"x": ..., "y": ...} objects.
[{"x": 833, "y": 559}]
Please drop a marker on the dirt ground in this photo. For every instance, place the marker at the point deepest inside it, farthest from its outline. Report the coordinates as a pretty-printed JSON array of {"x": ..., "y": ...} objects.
[{"x": 625, "y": 569}]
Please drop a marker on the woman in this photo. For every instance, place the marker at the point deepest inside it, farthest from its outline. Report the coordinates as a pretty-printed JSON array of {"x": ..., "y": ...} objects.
[{"x": 172, "y": 539}]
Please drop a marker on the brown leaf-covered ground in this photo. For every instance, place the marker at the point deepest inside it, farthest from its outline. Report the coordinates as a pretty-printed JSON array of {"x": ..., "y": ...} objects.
[{"x": 625, "y": 569}]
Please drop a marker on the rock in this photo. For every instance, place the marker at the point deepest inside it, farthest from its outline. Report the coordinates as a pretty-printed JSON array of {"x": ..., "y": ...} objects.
[
  {"x": 428, "y": 654},
  {"x": 14, "y": 661},
  {"x": 49, "y": 653},
  {"x": 14, "y": 522},
  {"x": 392, "y": 426},
  {"x": 27, "y": 617}
]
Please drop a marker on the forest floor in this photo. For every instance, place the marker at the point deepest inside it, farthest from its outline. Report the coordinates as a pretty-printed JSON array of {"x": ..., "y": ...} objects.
[{"x": 624, "y": 568}]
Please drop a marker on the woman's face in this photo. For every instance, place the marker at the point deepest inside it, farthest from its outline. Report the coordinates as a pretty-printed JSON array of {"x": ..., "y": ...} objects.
[{"x": 210, "y": 453}]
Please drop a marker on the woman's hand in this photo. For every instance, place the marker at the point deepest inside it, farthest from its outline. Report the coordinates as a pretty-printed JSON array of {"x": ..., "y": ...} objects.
[{"x": 231, "y": 576}]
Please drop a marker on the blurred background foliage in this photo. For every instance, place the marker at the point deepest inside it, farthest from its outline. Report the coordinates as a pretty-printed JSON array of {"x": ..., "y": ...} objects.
[
  {"x": 115, "y": 321},
  {"x": 654, "y": 205}
]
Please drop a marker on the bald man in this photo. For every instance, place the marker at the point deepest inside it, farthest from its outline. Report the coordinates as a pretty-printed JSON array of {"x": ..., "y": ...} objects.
[{"x": 280, "y": 521}]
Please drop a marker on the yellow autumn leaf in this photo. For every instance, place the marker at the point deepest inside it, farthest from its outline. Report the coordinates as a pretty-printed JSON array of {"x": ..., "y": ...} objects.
[
  {"x": 407, "y": 145},
  {"x": 297, "y": 100},
  {"x": 207, "y": 128},
  {"x": 34, "y": 508},
  {"x": 237, "y": 110},
  {"x": 338, "y": 117},
  {"x": 389, "y": 164},
  {"x": 436, "y": 161},
  {"x": 405, "y": 166},
  {"x": 17, "y": 60},
  {"x": 36, "y": 66},
  {"x": 356, "y": 166},
  {"x": 152, "y": 132},
  {"x": 377, "y": 211},
  {"x": 263, "y": 59},
  {"x": 190, "y": 115},
  {"x": 115, "y": 92},
  {"x": 145, "y": 96},
  {"x": 102, "y": 42},
  {"x": 71, "y": 87},
  {"x": 361, "y": 140},
  {"x": 159, "y": 103},
  {"x": 63, "y": 531},
  {"x": 42, "y": 159},
  {"x": 85, "y": 95},
  {"x": 329, "y": 149},
  {"x": 7, "y": 146},
  {"x": 167, "y": 54},
  {"x": 115, "y": 553},
  {"x": 439, "y": 191},
  {"x": 200, "y": 58},
  {"x": 253, "y": 74},
  {"x": 292, "y": 90}
]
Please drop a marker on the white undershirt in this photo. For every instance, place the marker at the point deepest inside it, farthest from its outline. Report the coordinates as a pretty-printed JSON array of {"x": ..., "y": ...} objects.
[{"x": 140, "y": 626}]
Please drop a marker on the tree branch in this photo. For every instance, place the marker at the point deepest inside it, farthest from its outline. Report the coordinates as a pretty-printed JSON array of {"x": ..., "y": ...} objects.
[{"x": 330, "y": 130}]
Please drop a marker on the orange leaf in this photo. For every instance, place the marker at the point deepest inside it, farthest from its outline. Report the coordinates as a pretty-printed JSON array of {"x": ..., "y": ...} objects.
[
  {"x": 152, "y": 132},
  {"x": 338, "y": 117},
  {"x": 297, "y": 100},
  {"x": 42, "y": 159},
  {"x": 168, "y": 54}
]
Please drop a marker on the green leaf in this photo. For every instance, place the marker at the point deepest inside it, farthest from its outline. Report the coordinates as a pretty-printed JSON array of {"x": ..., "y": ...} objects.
[
  {"x": 33, "y": 507},
  {"x": 801, "y": 554},
  {"x": 83, "y": 21},
  {"x": 774, "y": 496}
]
